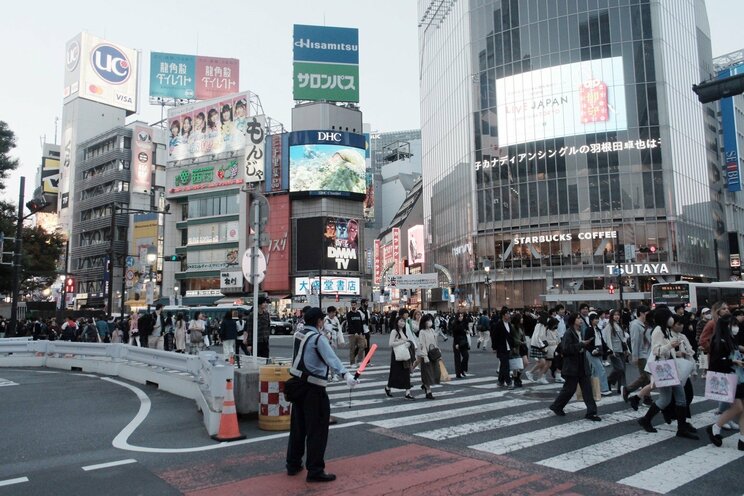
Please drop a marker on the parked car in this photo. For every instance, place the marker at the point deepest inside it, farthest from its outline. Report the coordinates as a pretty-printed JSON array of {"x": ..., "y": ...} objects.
[{"x": 279, "y": 326}]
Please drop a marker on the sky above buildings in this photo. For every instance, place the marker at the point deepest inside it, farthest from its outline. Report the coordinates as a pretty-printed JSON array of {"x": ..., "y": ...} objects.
[{"x": 259, "y": 33}]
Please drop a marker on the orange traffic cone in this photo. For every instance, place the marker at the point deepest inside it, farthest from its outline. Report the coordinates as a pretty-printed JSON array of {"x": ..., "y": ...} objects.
[{"x": 229, "y": 420}]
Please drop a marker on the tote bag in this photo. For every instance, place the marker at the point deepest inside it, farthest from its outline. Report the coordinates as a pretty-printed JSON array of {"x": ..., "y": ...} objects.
[
  {"x": 596, "y": 390},
  {"x": 664, "y": 373},
  {"x": 516, "y": 363},
  {"x": 402, "y": 352},
  {"x": 720, "y": 387}
]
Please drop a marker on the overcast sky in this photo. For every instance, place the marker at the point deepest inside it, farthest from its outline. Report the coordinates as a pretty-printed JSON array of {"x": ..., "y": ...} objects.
[{"x": 259, "y": 33}]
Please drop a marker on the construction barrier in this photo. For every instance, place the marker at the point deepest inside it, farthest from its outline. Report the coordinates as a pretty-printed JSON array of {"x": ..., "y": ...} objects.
[
  {"x": 229, "y": 430},
  {"x": 274, "y": 411}
]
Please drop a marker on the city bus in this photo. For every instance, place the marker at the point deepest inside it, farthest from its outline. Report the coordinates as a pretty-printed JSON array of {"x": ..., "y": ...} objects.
[
  {"x": 697, "y": 295},
  {"x": 212, "y": 312}
]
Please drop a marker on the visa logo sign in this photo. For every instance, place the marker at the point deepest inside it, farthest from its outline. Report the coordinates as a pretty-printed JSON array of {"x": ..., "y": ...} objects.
[{"x": 111, "y": 64}]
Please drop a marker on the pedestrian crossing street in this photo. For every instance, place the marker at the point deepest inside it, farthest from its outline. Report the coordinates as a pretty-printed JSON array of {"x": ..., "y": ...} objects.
[{"x": 475, "y": 413}]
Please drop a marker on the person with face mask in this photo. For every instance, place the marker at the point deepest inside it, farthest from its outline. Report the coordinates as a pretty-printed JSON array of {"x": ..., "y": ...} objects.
[
  {"x": 429, "y": 353},
  {"x": 705, "y": 317},
  {"x": 400, "y": 370}
]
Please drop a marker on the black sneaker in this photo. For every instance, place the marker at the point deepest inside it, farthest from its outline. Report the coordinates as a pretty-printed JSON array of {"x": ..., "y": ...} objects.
[
  {"x": 593, "y": 417},
  {"x": 647, "y": 400},
  {"x": 634, "y": 401},
  {"x": 717, "y": 440}
]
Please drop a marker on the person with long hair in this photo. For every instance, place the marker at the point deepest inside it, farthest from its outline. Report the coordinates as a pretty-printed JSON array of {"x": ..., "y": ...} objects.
[
  {"x": 519, "y": 350},
  {"x": 428, "y": 351},
  {"x": 180, "y": 333},
  {"x": 725, "y": 357},
  {"x": 617, "y": 342},
  {"x": 667, "y": 344},
  {"x": 133, "y": 329},
  {"x": 399, "y": 376},
  {"x": 547, "y": 336},
  {"x": 460, "y": 344}
]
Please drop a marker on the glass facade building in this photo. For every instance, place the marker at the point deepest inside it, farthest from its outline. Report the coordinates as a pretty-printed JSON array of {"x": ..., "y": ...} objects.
[{"x": 562, "y": 141}]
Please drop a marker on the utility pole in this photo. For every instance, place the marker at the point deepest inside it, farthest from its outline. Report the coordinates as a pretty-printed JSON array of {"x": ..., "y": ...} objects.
[
  {"x": 110, "y": 267},
  {"x": 17, "y": 263}
]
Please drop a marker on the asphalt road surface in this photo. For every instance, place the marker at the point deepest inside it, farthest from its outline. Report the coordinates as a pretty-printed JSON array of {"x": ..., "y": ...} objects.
[{"x": 67, "y": 433}]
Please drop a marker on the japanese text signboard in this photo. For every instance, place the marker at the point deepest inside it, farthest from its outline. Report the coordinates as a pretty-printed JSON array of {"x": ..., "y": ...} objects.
[{"x": 191, "y": 77}]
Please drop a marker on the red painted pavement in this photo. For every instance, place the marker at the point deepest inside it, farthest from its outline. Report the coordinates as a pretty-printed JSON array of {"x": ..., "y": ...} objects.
[{"x": 412, "y": 470}]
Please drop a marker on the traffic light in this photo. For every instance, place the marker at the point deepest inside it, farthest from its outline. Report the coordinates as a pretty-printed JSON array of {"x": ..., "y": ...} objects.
[
  {"x": 69, "y": 285},
  {"x": 648, "y": 249},
  {"x": 37, "y": 204},
  {"x": 711, "y": 91},
  {"x": 612, "y": 289},
  {"x": 175, "y": 258}
]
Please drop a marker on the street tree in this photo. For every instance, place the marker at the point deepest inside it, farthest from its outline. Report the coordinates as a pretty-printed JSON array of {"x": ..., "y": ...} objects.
[{"x": 7, "y": 143}]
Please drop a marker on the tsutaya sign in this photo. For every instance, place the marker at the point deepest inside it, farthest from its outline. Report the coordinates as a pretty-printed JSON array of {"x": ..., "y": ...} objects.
[
  {"x": 547, "y": 238},
  {"x": 638, "y": 269}
]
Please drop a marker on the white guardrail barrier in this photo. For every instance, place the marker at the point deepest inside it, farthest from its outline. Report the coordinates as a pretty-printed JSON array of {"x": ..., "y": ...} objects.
[{"x": 200, "y": 377}]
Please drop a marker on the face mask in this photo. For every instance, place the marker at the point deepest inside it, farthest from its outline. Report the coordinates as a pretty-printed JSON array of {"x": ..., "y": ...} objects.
[
  {"x": 429, "y": 325},
  {"x": 734, "y": 330}
]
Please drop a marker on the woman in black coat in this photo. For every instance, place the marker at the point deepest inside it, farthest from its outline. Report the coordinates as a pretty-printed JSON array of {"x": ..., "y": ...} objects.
[
  {"x": 576, "y": 369},
  {"x": 228, "y": 334},
  {"x": 460, "y": 345},
  {"x": 722, "y": 348}
]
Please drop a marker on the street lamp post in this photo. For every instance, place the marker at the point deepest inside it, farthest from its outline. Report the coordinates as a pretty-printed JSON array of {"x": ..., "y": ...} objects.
[
  {"x": 152, "y": 256},
  {"x": 488, "y": 289}
]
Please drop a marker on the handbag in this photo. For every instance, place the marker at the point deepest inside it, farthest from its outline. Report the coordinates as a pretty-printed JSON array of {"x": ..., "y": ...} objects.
[
  {"x": 720, "y": 387},
  {"x": 664, "y": 373},
  {"x": 596, "y": 391},
  {"x": 516, "y": 363},
  {"x": 434, "y": 354},
  {"x": 402, "y": 353},
  {"x": 295, "y": 389},
  {"x": 685, "y": 368},
  {"x": 443, "y": 374}
]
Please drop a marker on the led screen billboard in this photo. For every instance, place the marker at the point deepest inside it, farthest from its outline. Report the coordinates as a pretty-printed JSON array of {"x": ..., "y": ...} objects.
[
  {"x": 416, "y": 245},
  {"x": 565, "y": 100},
  {"x": 327, "y": 162},
  {"x": 328, "y": 243}
]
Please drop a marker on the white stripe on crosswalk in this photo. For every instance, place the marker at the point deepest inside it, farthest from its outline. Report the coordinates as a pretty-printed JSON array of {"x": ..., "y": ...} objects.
[
  {"x": 580, "y": 459},
  {"x": 356, "y": 403},
  {"x": 685, "y": 468},
  {"x": 356, "y": 393},
  {"x": 539, "y": 436},
  {"x": 418, "y": 405},
  {"x": 497, "y": 423},
  {"x": 448, "y": 414},
  {"x": 457, "y": 382}
]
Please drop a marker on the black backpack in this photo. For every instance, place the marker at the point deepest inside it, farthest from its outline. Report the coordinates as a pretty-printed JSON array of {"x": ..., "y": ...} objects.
[
  {"x": 69, "y": 333},
  {"x": 91, "y": 334}
]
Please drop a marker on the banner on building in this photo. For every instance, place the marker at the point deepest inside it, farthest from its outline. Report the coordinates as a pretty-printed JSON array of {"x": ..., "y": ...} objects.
[
  {"x": 328, "y": 243},
  {"x": 142, "y": 149},
  {"x": 231, "y": 281},
  {"x": 416, "y": 245},
  {"x": 175, "y": 76},
  {"x": 412, "y": 281},
  {"x": 328, "y": 285},
  {"x": 50, "y": 175},
  {"x": 278, "y": 252}
]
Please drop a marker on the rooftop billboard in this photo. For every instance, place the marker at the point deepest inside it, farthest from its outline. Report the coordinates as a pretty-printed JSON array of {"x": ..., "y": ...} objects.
[
  {"x": 191, "y": 77},
  {"x": 327, "y": 163}
]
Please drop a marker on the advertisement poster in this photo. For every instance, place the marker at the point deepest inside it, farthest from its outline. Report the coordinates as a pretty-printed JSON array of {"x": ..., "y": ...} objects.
[
  {"x": 396, "y": 251},
  {"x": 326, "y": 63},
  {"x": 254, "y": 161},
  {"x": 416, "y": 245},
  {"x": 210, "y": 127},
  {"x": 142, "y": 159},
  {"x": 566, "y": 100},
  {"x": 377, "y": 254},
  {"x": 327, "y": 162},
  {"x": 107, "y": 72},
  {"x": 50, "y": 175},
  {"x": 278, "y": 251},
  {"x": 329, "y": 243},
  {"x": 330, "y": 285}
]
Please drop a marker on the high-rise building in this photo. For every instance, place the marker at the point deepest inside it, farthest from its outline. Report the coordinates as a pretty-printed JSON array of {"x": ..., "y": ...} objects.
[
  {"x": 562, "y": 143},
  {"x": 732, "y": 130}
]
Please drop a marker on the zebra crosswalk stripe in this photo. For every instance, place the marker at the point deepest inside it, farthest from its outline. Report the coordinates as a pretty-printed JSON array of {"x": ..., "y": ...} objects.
[
  {"x": 377, "y": 401},
  {"x": 533, "y": 438},
  {"x": 448, "y": 414},
  {"x": 588, "y": 456},
  {"x": 680, "y": 470}
]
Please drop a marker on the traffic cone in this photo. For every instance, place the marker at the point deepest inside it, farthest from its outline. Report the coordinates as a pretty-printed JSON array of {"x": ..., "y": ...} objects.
[{"x": 229, "y": 419}]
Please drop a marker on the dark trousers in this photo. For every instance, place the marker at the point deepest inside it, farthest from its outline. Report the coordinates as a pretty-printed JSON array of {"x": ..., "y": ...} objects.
[
  {"x": 643, "y": 378},
  {"x": 569, "y": 389},
  {"x": 309, "y": 426},
  {"x": 462, "y": 356},
  {"x": 263, "y": 349},
  {"x": 368, "y": 337},
  {"x": 504, "y": 377}
]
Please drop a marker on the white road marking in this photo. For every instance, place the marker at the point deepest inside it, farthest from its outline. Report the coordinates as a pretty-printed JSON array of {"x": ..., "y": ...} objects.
[
  {"x": 561, "y": 431},
  {"x": 355, "y": 403},
  {"x": 121, "y": 440},
  {"x": 685, "y": 468},
  {"x": 99, "y": 466},
  {"x": 497, "y": 423},
  {"x": 457, "y": 382},
  {"x": 10, "y": 482},
  {"x": 7, "y": 382},
  {"x": 356, "y": 392},
  {"x": 418, "y": 405},
  {"x": 448, "y": 414},
  {"x": 603, "y": 451}
]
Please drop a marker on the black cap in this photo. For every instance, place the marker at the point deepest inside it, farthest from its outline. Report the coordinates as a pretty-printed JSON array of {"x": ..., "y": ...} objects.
[
  {"x": 263, "y": 299},
  {"x": 353, "y": 300},
  {"x": 313, "y": 315}
]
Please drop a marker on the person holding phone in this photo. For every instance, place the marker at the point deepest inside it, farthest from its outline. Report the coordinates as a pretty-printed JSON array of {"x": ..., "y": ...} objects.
[{"x": 576, "y": 370}]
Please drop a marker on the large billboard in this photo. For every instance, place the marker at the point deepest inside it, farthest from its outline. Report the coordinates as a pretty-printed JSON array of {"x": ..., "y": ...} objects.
[
  {"x": 326, "y": 63},
  {"x": 101, "y": 71},
  {"x": 565, "y": 100},
  {"x": 328, "y": 243},
  {"x": 192, "y": 77},
  {"x": 416, "y": 245},
  {"x": 210, "y": 127},
  {"x": 327, "y": 162},
  {"x": 50, "y": 175},
  {"x": 731, "y": 156},
  {"x": 278, "y": 252},
  {"x": 142, "y": 148}
]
